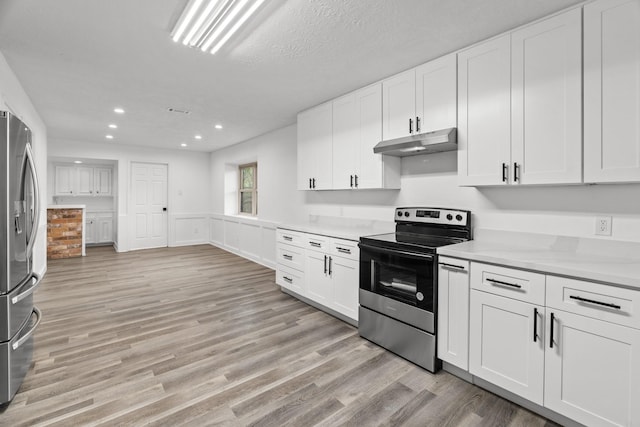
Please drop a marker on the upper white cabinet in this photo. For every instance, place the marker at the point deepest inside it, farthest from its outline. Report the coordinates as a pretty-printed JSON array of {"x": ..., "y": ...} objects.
[
  {"x": 83, "y": 180},
  {"x": 357, "y": 128},
  {"x": 520, "y": 106},
  {"x": 612, "y": 91},
  {"x": 420, "y": 100},
  {"x": 315, "y": 127}
]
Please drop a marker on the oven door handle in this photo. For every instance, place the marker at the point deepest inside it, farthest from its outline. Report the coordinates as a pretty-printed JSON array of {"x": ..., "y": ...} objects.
[{"x": 395, "y": 252}]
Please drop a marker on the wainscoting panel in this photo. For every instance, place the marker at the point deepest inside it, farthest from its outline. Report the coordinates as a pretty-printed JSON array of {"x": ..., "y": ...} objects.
[{"x": 250, "y": 238}]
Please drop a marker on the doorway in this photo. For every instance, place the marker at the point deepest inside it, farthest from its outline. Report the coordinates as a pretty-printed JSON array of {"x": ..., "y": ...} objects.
[{"x": 149, "y": 205}]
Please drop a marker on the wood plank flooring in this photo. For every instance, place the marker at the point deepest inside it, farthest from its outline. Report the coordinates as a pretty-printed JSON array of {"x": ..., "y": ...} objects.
[{"x": 197, "y": 336}]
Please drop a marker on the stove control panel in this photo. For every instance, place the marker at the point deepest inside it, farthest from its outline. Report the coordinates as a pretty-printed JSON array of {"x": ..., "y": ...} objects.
[{"x": 433, "y": 216}]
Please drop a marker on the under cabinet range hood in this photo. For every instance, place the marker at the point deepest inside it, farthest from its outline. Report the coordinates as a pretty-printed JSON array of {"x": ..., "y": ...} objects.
[{"x": 424, "y": 143}]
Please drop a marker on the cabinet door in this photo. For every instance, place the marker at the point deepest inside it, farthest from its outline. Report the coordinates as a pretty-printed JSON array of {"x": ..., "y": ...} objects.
[
  {"x": 346, "y": 275},
  {"x": 484, "y": 113},
  {"x": 399, "y": 105},
  {"x": 546, "y": 98},
  {"x": 453, "y": 312},
  {"x": 65, "y": 180},
  {"x": 345, "y": 141},
  {"x": 315, "y": 148},
  {"x": 90, "y": 229},
  {"x": 85, "y": 181},
  {"x": 592, "y": 371},
  {"x": 436, "y": 94},
  {"x": 318, "y": 281},
  {"x": 506, "y": 344},
  {"x": 102, "y": 181},
  {"x": 104, "y": 232},
  {"x": 612, "y": 91}
]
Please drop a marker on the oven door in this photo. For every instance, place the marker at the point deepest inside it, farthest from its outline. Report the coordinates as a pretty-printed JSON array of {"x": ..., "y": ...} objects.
[{"x": 406, "y": 277}]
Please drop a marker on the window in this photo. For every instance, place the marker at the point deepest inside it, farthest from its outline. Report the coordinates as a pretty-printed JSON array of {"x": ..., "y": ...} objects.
[{"x": 248, "y": 194}]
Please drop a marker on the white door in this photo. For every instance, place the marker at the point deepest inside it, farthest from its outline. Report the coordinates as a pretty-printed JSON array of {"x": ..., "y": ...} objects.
[
  {"x": 315, "y": 149},
  {"x": 593, "y": 370},
  {"x": 319, "y": 283},
  {"x": 369, "y": 166},
  {"x": 345, "y": 141},
  {"x": 399, "y": 105},
  {"x": 506, "y": 344},
  {"x": 149, "y": 204},
  {"x": 436, "y": 94},
  {"x": 65, "y": 180},
  {"x": 546, "y": 96},
  {"x": 345, "y": 274},
  {"x": 484, "y": 113},
  {"x": 85, "y": 181},
  {"x": 453, "y": 312},
  {"x": 102, "y": 181},
  {"x": 612, "y": 91}
]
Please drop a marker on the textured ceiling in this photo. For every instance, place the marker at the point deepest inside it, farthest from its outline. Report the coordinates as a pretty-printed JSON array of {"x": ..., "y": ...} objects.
[{"x": 78, "y": 59}]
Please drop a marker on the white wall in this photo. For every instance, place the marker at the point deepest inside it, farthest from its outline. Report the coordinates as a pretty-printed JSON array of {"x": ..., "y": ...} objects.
[
  {"x": 431, "y": 180},
  {"x": 189, "y": 186},
  {"x": 14, "y": 99}
]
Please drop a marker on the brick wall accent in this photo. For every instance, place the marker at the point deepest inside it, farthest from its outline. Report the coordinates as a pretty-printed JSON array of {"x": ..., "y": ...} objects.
[{"x": 64, "y": 233}]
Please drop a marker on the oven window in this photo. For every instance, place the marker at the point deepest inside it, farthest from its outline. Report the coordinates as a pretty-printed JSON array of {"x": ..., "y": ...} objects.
[{"x": 396, "y": 282}]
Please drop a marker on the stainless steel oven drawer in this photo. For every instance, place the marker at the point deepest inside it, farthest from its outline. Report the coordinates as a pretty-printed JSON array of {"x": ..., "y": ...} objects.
[
  {"x": 411, "y": 343},
  {"x": 406, "y": 313},
  {"x": 16, "y": 307},
  {"x": 15, "y": 359}
]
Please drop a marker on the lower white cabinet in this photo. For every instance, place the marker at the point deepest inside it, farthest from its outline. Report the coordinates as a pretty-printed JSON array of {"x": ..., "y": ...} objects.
[
  {"x": 323, "y": 269},
  {"x": 453, "y": 311},
  {"x": 98, "y": 228}
]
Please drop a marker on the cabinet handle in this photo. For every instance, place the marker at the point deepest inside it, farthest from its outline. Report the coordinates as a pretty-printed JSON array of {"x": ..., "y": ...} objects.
[
  {"x": 417, "y": 124},
  {"x": 452, "y": 266},
  {"x": 606, "y": 304},
  {"x": 516, "y": 175},
  {"x": 315, "y": 244},
  {"x": 343, "y": 250},
  {"x": 287, "y": 238},
  {"x": 287, "y": 279},
  {"x": 535, "y": 324},
  {"x": 314, "y": 182},
  {"x": 330, "y": 262},
  {"x": 310, "y": 183},
  {"x": 356, "y": 180},
  {"x": 410, "y": 125},
  {"x": 287, "y": 257},
  {"x": 504, "y": 173},
  {"x": 553, "y": 318},
  {"x": 499, "y": 282},
  {"x": 325, "y": 264},
  {"x": 351, "y": 180}
]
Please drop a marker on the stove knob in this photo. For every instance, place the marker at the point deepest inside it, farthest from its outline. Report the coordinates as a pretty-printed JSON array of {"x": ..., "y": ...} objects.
[
  {"x": 419, "y": 296},
  {"x": 449, "y": 217},
  {"x": 406, "y": 214},
  {"x": 399, "y": 213},
  {"x": 459, "y": 217}
]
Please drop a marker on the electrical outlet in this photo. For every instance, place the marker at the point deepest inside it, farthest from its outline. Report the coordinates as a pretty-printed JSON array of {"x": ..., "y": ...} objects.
[{"x": 603, "y": 225}]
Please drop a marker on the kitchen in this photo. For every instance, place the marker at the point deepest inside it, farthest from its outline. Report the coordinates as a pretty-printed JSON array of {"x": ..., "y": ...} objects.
[{"x": 425, "y": 180}]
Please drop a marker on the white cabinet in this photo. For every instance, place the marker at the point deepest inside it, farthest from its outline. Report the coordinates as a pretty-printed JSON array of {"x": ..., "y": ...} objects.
[
  {"x": 420, "y": 100},
  {"x": 98, "y": 228},
  {"x": 506, "y": 334},
  {"x": 315, "y": 127},
  {"x": 592, "y": 360},
  {"x": 520, "y": 106},
  {"x": 357, "y": 128},
  {"x": 83, "y": 180},
  {"x": 453, "y": 311},
  {"x": 319, "y": 281},
  {"x": 612, "y": 91}
]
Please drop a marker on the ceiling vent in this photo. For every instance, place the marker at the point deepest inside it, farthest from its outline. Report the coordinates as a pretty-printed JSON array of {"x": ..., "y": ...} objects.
[{"x": 178, "y": 110}]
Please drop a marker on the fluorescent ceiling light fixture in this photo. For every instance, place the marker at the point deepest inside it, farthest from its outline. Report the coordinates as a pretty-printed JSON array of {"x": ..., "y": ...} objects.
[
  {"x": 118, "y": 110},
  {"x": 218, "y": 126},
  {"x": 207, "y": 23},
  {"x": 112, "y": 126},
  {"x": 109, "y": 136}
]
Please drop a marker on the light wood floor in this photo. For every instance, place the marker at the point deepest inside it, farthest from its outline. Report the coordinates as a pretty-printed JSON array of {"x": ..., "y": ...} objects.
[{"x": 197, "y": 336}]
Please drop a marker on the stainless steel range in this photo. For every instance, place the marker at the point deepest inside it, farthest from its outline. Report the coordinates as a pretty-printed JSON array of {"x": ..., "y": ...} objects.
[{"x": 399, "y": 281}]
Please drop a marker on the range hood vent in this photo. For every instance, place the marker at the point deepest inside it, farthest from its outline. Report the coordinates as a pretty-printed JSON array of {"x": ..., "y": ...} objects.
[{"x": 430, "y": 142}]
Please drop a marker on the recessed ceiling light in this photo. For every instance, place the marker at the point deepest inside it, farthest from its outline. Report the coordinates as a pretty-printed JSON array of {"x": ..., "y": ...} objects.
[
  {"x": 109, "y": 136},
  {"x": 118, "y": 110},
  {"x": 112, "y": 126},
  {"x": 77, "y": 162},
  {"x": 218, "y": 126},
  {"x": 198, "y": 137},
  {"x": 183, "y": 145}
]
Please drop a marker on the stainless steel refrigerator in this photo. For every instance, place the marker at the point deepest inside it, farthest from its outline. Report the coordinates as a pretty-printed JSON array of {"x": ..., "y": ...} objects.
[{"x": 19, "y": 213}]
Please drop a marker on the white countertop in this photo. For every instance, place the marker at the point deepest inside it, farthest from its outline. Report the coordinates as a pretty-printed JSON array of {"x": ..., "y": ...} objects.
[
  {"x": 67, "y": 207},
  {"x": 601, "y": 260},
  {"x": 342, "y": 228}
]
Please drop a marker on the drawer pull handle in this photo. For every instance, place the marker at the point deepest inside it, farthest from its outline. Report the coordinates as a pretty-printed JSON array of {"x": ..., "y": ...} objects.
[
  {"x": 287, "y": 257},
  {"x": 498, "y": 282},
  {"x": 343, "y": 250},
  {"x": 287, "y": 279},
  {"x": 287, "y": 238},
  {"x": 606, "y": 304},
  {"x": 452, "y": 266},
  {"x": 315, "y": 244}
]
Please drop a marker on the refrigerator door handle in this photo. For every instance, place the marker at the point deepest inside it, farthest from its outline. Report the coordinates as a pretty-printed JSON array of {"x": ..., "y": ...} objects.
[
  {"x": 26, "y": 336},
  {"x": 29, "y": 291},
  {"x": 36, "y": 198}
]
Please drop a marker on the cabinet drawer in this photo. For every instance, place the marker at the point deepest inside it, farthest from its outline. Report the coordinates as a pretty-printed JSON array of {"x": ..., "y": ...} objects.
[
  {"x": 317, "y": 242},
  {"x": 596, "y": 300},
  {"x": 517, "y": 284},
  {"x": 345, "y": 249},
  {"x": 290, "y": 237},
  {"x": 290, "y": 256},
  {"x": 290, "y": 279}
]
